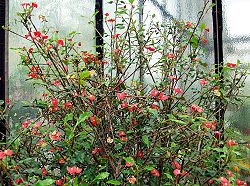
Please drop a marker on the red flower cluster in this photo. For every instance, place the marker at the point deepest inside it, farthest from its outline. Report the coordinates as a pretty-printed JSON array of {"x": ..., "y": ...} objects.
[
  {"x": 7, "y": 152},
  {"x": 74, "y": 170},
  {"x": 210, "y": 125},
  {"x": 196, "y": 108}
]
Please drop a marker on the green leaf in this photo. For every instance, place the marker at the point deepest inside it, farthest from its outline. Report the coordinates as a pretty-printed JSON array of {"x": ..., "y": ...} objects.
[
  {"x": 55, "y": 36},
  {"x": 83, "y": 117},
  {"x": 44, "y": 182},
  {"x": 202, "y": 26},
  {"x": 129, "y": 159},
  {"x": 76, "y": 181},
  {"x": 131, "y": 1},
  {"x": 84, "y": 74},
  {"x": 145, "y": 140},
  {"x": 68, "y": 117},
  {"x": 114, "y": 182},
  {"x": 178, "y": 121},
  {"x": 149, "y": 167},
  {"x": 102, "y": 175}
]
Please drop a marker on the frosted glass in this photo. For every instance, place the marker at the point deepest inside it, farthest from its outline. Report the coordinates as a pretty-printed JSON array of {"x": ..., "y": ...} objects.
[
  {"x": 237, "y": 46},
  {"x": 62, "y": 15}
]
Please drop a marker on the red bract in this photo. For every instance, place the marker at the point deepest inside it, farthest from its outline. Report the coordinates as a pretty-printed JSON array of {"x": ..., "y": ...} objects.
[
  {"x": 123, "y": 138},
  {"x": 231, "y": 143},
  {"x": 155, "y": 173},
  {"x": 124, "y": 104},
  {"x": 177, "y": 172},
  {"x": 203, "y": 82},
  {"x": 121, "y": 133},
  {"x": 231, "y": 65},
  {"x": 122, "y": 95},
  {"x": 59, "y": 182},
  {"x": 173, "y": 78},
  {"x": 162, "y": 96},
  {"x": 170, "y": 55},
  {"x": 37, "y": 125},
  {"x": 116, "y": 35},
  {"x": 31, "y": 50},
  {"x": 153, "y": 106},
  {"x": 188, "y": 24},
  {"x": 129, "y": 164},
  {"x": 111, "y": 20},
  {"x": 240, "y": 182},
  {"x": 44, "y": 36},
  {"x": 229, "y": 173},
  {"x": 154, "y": 93},
  {"x": 176, "y": 165},
  {"x": 140, "y": 154},
  {"x": 60, "y": 42},
  {"x": 8, "y": 152},
  {"x": 97, "y": 149},
  {"x": 207, "y": 29},
  {"x": 18, "y": 181},
  {"x": 196, "y": 108},
  {"x": 151, "y": 49},
  {"x": 34, "y": 5},
  {"x": 2, "y": 154},
  {"x": 106, "y": 14},
  {"x": 25, "y": 124},
  {"x": 37, "y": 34},
  {"x": 67, "y": 104},
  {"x": 55, "y": 135},
  {"x": 178, "y": 90},
  {"x": 74, "y": 170},
  {"x": 93, "y": 120},
  {"x": 56, "y": 82},
  {"x": 54, "y": 101},
  {"x": 91, "y": 97},
  {"x": 44, "y": 171},
  {"x": 210, "y": 125},
  {"x": 224, "y": 181}
]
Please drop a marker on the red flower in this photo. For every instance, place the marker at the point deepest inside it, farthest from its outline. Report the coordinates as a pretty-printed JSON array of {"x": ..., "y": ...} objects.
[
  {"x": 240, "y": 182},
  {"x": 56, "y": 82},
  {"x": 116, "y": 35},
  {"x": 27, "y": 35},
  {"x": 91, "y": 97},
  {"x": 55, "y": 135},
  {"x": 93, "y": 120},
  {"x": 196, "y": 108},
  {"x": 44, "y": 171},
  {"x": 154, "y": 93},
  {"x": 111, "y": 20},
  {"x": 33, "y": 75},
  {"x": 170, "y": 56},
  {"x": 96, "y": 150},
  {"x": 129, "y": 164},
  {"x": 176, "y": 165},
  {"x": 231, "y": 143},
  {"x": 60, "y": 42},
  {"x": 224, "y": 181},
  {"x": 121, "y": 133},
  {"x": 34, "y": 5},
  {"x": 211, "y": 181},
  {"x": 173, "y": 78},
  {"x": 67, "y": 104},
  {"x": 117, "y": 51},
  {"x": 123, "y": 138},
  {"x": 59, "y": 182},
  {"x": 231, "y": 65},
  {"x": 124, "y": 104},
  {"x": 37, "y": 125},
  {"x": 122, "y": 95},
  {"x": 140, "y": 154},
  {"x": 230, "y": 174},
  {"x": 18, "y": 181},
  {"x": 31, "y": 50},
  {"x": 207, "y": 29},
  {"x": 37, "y": 34},
  {"x": 8, "y": 152},
  {"x": 2, "y": 154},
  {"x": 155, "y": 173},
  {"x": 177, "y": 172},
  {"x": 44, "y": 36},
  {"x": 25, "y": 124},
  {"x": 188, "y": 24},
  {"x": 151, "y": 49},
  {"x": 178, "y": 90},
  {"x": 54, "y": 101},
  {"x": 74, "y": 170},
  {"x": 153, "y": 106},
  {"x": 203, "y": 82},
  {"x": 106, "y": 14},
  {"x": 162, "y": 96}
]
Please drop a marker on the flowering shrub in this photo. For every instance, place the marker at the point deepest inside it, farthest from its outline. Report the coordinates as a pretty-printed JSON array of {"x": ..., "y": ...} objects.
[{"x": 102, "y": 122}]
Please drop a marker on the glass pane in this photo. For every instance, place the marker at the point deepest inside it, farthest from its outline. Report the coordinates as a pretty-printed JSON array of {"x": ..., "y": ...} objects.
[
  {"x": 237, "y": 46},
  {"x": 60, "y": 15}
]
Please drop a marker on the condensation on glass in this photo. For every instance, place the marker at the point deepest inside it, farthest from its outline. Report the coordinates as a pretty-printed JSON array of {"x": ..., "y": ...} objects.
[
  {"x": 64, "y": 16},
  {"x": 236, "y": 38}
]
